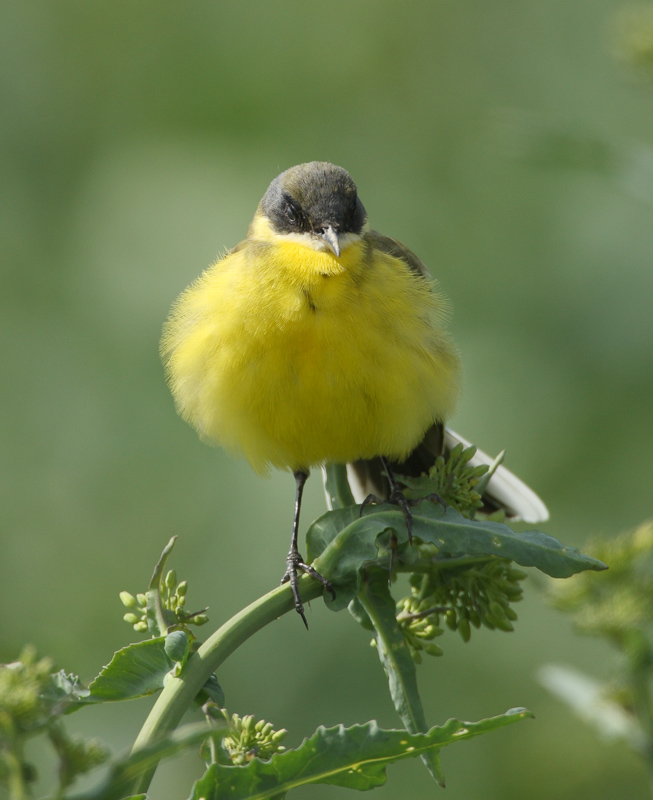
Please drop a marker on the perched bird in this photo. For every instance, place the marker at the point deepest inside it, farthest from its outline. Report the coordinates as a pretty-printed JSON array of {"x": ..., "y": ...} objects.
[{"x": 315, "y": 340}]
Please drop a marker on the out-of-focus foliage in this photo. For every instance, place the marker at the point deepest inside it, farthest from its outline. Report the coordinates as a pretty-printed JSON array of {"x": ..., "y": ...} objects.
[
  {"x": 619, "y": 609},
  {"x": 507, "y": 144},
  {"x": 622, "y": 602}
]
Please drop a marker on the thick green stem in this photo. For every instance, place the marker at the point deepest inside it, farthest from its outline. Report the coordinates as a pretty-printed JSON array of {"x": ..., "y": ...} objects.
[{"x": 179, "y": 693}]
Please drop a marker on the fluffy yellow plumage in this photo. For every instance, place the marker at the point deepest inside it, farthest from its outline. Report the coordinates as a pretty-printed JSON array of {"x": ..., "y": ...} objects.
[{"x": 296, "y": 357}]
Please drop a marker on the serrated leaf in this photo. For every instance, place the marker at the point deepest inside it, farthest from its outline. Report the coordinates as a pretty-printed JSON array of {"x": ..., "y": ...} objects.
[
  {"x": 135, "y": 671},
  {"x": 64, "y": 693},
  {"x": 397, "y": 662},
  {"x": 340, "y": 542},
  {"x": 354, "y": 758}
]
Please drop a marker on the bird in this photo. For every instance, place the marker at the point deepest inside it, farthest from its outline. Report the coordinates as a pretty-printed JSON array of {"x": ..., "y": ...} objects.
[{"x": 316, "y": 340}]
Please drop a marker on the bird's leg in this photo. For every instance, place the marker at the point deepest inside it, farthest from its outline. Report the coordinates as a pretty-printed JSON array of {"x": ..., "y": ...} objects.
[
  {"x": 294, "y": 561},
  {"x": 398, "y": 498}
]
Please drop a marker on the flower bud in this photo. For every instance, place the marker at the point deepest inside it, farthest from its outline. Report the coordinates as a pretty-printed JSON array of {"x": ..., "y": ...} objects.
[
  {"x": 128, "y": 600},
  {"x": 433, "y": 649},
  {"x": 464, "y": 629}
]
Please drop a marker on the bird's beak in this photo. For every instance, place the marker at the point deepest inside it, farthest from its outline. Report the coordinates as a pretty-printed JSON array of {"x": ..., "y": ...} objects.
[{"x": 331, "y": 238}]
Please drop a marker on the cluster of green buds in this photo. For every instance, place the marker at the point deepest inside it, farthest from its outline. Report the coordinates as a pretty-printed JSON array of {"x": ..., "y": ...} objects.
[
  {"x": 620, "y": 601},
  {"x": 171, "y": 595},
  {"x": 23, "y": 687},
  {"x": 469, "y": 592},
  {"x": 416, "y": 621},
  {"x": 454, "y": 479},
  {"x": 248, "y": 737},
  {"x": 136, "y": 616}
]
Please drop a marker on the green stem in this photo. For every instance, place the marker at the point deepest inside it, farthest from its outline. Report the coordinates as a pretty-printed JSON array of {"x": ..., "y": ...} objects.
[
  {"x": 11, "y": 756},
  {"x": 179, "y": 693},
  {"x": 15, "y": 778}
]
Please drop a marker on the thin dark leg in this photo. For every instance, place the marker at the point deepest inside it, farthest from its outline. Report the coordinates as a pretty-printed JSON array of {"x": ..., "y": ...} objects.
[
  {"x": 294, "y": 561},
  {"x": 396, "y": 496}
]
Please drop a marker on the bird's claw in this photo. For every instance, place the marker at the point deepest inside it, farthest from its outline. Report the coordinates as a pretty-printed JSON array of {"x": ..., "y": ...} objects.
[{"x": 294, "y": 564}]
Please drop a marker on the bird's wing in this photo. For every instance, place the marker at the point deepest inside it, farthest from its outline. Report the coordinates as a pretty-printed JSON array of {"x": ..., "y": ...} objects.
[{"x": 386, "y": 244}]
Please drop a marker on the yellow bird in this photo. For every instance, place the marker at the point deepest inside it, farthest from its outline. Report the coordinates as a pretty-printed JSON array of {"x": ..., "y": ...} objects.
[{"x": 315, "y": 340}]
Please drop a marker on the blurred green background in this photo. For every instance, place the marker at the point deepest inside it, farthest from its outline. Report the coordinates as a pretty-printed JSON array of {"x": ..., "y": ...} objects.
[{"x": 508, "y": 144}]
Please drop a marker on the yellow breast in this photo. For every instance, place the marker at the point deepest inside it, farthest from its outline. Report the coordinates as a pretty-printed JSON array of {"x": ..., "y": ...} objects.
[{"x": 294, "y": 357}]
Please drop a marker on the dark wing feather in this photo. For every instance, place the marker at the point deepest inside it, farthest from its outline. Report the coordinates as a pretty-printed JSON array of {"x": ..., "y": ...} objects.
[{"x": 386, "y": 244}]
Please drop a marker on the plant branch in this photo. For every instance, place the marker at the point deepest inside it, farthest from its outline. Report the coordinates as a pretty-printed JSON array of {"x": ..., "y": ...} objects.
[{"x": 179, "y": 692}]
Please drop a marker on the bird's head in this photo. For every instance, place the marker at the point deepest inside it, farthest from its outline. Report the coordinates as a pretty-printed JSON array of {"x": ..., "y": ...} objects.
[{"x": 315, "y": 204}]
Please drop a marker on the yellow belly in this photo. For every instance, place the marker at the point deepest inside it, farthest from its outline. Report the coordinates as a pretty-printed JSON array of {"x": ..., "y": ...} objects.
[{"x": 295, "y": 358}]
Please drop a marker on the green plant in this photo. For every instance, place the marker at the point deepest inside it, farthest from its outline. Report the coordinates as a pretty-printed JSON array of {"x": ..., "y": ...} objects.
[
  {"x": 462, "y": 575},
  {"x": 619, "y": 609}
]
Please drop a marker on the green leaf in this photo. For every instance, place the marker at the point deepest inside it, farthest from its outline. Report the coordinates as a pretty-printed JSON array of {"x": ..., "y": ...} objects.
[
  {"x": 158, "y": 617},
  {"x": 361, "y": 616},
  {"x": 123, "y": 773},
  {"x": 135, "y": 671},
  {"x": 341, "y": 542},
  {"x": 397, "y": 662},
  {"x": 64, "y": 693},
  {"x": 213, "y": 691},
  {"x": 354, "y": 758}
]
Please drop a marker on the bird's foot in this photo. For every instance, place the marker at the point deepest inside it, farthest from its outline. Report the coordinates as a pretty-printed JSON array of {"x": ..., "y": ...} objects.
[
  {"x": 398, "y": 498},
  {"x": 294, "y": 564}
]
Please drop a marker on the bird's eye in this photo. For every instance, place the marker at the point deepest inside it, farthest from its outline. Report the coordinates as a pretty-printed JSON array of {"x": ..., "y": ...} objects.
[{"x": 291, "y": 215}]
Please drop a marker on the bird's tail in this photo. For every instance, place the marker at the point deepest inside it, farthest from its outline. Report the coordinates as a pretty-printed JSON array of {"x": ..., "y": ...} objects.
[{"x": 504, "y": 490}]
